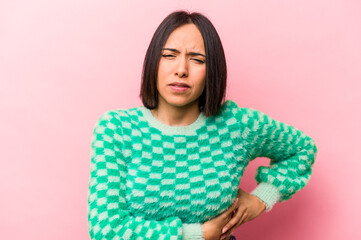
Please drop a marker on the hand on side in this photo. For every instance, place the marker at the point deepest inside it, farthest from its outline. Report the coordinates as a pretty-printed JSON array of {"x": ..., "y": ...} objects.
[
  {"x": 212, "y": 229},
  {"x": 247, "y": 208}
]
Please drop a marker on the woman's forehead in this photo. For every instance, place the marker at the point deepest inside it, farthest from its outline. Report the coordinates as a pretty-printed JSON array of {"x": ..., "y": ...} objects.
[{"x": 186, "y": 37}]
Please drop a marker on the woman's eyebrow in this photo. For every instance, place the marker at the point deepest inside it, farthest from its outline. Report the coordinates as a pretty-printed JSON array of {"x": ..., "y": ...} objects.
[{"x": 191, "y": 53}]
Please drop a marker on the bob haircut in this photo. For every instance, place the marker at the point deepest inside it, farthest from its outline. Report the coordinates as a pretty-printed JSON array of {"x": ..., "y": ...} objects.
[{"x": 213, "y": 95}]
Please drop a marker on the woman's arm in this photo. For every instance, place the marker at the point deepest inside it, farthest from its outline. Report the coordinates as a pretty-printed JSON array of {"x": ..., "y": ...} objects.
[
  {"x": 108, "y": 217},
  {"x": 292, "y": 154},
  {"x": 291, "y": 151}
]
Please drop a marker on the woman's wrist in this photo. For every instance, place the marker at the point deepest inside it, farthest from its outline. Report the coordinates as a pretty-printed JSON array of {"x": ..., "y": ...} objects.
[
  {"x": 268, "y": 193},
  {"x": 262, "y": 202}
]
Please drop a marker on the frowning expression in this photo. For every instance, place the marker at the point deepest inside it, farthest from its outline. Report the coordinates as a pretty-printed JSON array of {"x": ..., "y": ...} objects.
[{"x": 182, "y": 68}]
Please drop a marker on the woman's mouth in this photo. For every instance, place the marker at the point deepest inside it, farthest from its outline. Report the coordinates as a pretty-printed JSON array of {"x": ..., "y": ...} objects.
[{"x": 178, "y": 88}]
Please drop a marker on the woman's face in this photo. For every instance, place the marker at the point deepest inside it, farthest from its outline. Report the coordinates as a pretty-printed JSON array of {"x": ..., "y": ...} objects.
[{"x": 182, "y": 68}]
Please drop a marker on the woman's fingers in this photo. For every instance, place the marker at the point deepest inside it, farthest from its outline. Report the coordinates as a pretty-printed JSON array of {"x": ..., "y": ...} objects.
[
  {"x": 244, "y": 218},
  {"x": 248, "y": 209},
  {"x": 235, "y": 202},
  {"x": 231, "y": 212},
  {"x": 230, "y": 231},
  {"x": 233, "y": 207},
  {"x": 231, "y": 225}
]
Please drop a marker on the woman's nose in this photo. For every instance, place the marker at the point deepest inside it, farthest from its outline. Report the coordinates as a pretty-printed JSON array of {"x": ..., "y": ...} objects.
[{"x": 182, "y": 68}]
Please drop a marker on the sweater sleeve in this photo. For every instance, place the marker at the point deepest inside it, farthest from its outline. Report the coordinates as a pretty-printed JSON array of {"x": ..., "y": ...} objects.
[
  {"x": 108, "y": 217},
  {"x": 291, "y": 152}
]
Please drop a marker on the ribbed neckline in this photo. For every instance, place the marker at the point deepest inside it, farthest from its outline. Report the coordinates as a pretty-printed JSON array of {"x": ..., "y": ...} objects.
[{"x": 173, "y": 130}]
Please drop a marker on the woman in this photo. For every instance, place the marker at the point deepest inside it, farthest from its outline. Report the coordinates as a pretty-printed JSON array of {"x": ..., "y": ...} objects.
[{"x": 170, "y": 169}]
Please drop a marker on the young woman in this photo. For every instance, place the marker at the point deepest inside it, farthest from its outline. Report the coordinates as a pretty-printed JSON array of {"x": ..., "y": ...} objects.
[{"x": 171, "y": 169}]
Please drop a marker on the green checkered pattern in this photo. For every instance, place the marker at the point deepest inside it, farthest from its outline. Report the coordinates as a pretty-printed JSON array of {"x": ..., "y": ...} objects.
[{"x": 150, "y": 182}]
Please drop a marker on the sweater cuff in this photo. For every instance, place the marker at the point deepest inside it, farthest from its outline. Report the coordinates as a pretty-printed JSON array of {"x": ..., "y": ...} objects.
[
  {"x": 192, "y": 231},
  {"x": 268, "y": 193}
]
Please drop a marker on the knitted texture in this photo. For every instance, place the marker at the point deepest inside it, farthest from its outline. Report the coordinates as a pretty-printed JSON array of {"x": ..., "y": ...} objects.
[{"x": 149, "y": 180}]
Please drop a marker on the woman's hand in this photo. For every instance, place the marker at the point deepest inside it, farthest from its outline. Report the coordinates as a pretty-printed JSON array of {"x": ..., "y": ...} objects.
[
  {"x": 248, "y": 208},
  {"x": 212, "y": 229}
]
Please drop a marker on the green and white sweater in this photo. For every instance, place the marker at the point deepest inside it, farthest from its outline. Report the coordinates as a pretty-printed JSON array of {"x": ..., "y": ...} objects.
[{"x": 149, "y": 180}]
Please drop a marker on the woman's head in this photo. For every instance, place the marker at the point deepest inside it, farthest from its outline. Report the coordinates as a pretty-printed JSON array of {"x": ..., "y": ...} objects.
[{"x": 215, "y": 64}]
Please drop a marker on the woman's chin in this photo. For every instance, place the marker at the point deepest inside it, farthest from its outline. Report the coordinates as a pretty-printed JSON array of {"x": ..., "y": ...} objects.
[{"x": 182, "y": 104}]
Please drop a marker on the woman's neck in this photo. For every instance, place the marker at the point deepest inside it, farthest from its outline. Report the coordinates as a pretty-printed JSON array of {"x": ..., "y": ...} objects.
[{"x": 176, "y": 116}]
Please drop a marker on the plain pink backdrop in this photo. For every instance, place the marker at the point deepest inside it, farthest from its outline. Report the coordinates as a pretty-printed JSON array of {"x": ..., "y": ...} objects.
[{"x": 64, "y": 63}]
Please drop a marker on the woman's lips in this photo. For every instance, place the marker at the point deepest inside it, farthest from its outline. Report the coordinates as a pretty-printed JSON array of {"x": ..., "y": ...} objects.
[{"x": 178, "y": 88}]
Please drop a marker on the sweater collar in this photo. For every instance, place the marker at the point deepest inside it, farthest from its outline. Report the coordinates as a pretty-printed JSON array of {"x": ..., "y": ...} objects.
[{"x": 173, "y": 130}]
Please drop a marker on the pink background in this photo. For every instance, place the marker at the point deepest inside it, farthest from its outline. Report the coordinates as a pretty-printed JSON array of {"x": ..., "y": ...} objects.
[{"x": 64, "y": 63}]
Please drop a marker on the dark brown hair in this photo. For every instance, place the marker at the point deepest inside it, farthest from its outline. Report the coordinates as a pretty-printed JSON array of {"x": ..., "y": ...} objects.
[{"x": 213, "y": 95}]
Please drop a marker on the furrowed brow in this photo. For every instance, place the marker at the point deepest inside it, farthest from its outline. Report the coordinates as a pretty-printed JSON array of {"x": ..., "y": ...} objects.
[{"x": 191, "y": 53}]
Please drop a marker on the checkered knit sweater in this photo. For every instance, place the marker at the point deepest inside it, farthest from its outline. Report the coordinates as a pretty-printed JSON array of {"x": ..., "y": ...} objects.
[{"x": 149, "y": 180}]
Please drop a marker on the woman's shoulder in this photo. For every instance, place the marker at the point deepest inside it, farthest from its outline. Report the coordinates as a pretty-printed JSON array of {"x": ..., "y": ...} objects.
[
  {"x": 231, "y": 106},
  {"x": 121, "y": 114},
  {"x": 241, "y": 113}
]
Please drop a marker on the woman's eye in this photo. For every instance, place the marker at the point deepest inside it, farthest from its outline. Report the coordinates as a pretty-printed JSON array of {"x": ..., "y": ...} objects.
[
  {"x": 197, "y": 60},
  {"x": 172, "y": 56}
]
